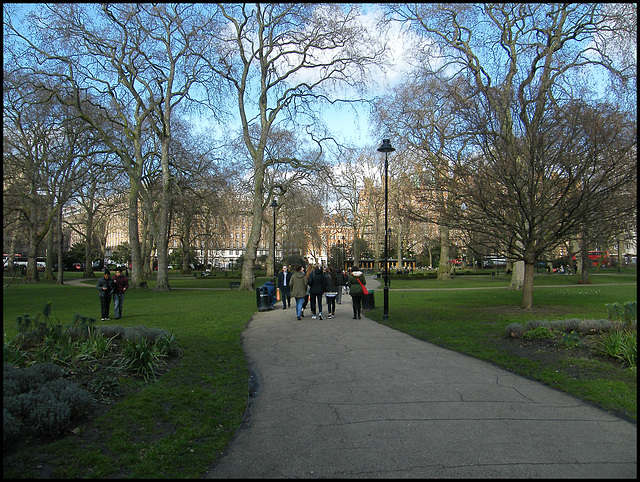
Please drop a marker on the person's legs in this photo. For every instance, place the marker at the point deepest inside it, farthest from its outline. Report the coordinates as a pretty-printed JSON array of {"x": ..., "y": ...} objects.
[
  {"x": 287, "y": 296},
  {"x": 117, "y": 305},
  {"x": 339, "y": 295},
  {"x": 356, "y": 306},
  {"x": 313, "y": 305},
  {"x": 331, "y": 305},
  {"x": 299, "y": 303},
  {"x": 105, "y": 301},
  {"x": 319, "y": 300}
]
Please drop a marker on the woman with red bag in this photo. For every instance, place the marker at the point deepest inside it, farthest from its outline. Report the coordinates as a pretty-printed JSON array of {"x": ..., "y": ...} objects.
[{"x": 356, "y": 289}]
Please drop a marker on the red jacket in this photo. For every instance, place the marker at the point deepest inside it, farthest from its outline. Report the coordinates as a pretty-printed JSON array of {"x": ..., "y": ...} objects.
[{"x": 120, "y": 284}]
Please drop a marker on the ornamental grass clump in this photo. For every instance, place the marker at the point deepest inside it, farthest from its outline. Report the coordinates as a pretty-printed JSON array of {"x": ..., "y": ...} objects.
[{"x": 622, "y": 345}]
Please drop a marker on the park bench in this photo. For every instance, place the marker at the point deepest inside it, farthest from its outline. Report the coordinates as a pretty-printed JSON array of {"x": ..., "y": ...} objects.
[{"x": 234, "y": 284}]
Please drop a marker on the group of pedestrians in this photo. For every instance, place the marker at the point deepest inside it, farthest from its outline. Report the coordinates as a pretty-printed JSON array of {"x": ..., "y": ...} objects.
[
  {"x": 312, "y": 285},
  {"x": 112, "y": 286}
]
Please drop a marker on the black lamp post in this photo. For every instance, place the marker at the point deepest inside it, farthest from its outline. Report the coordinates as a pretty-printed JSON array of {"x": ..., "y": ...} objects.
[
  {"x": 344, "y": 258},
  {"x": 274, "y": 205},
  {"x": 386, "y": 148}
]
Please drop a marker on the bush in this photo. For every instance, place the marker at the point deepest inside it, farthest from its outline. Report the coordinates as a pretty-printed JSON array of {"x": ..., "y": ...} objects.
[
  {"x": 37, "y": 397},
  {"x": 514, "y": 330},
  {"x": 622, "y": 345},
  {"x": 139, "y": 356},
  {"x": 538, "y": 333}
]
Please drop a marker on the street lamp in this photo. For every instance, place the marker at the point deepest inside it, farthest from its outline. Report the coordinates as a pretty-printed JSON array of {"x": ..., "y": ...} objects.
[
  {"x": 274, "y": 205},
  {"x": 386, "y": 148},
  {"x": 344, "y": 258}
]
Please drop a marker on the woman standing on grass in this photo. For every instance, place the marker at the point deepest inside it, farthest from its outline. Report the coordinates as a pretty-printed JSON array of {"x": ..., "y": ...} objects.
[{"x": 355, "y": 289}]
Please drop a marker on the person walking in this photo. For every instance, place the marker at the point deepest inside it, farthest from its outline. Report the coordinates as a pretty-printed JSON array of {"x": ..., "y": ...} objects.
[
  {"x": 355, "y": 289},
  {"x": 299, "y": 289},
  {"x": 105, "y": 287},
  {"x": 307, "y": 271},
  {"x": 340, "y": 282},
  {"x": 284, "y": 285},
  {"x": 316, "y": 290},
  {"x": 331, "y": 291},
  {"x": 120, "y": 285}
]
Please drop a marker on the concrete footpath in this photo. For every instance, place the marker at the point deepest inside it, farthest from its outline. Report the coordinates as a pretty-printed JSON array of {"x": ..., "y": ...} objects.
[{"x": 346, "y": 398}]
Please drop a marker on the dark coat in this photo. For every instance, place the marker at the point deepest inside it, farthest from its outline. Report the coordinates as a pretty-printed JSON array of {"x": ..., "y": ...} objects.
[
  {"x": 281, "y": 279},
  {"x": 330, "y": 284},
  {"x": 102, "y": 282},
  {"x": 354, "y": 287},
  {"x": 271, "y": 290},
  {"x": 316, "y": 282},
  {"x": 120, "y": 284}
]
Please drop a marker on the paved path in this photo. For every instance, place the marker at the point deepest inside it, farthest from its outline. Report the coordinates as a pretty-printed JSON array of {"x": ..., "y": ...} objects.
[{"x": 346, "y": 398}]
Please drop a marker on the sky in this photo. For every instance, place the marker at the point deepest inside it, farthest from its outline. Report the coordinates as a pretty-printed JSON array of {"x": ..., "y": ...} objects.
[{"x": 353, "y": 128}]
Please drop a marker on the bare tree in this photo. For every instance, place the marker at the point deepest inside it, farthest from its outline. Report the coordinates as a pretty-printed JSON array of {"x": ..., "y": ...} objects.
[
  {"x": 36, "y": 162},
  {"x": 135, "y": 64},
  {"x": 280, "y": 61},
  {"x": 517, "y": 69}
]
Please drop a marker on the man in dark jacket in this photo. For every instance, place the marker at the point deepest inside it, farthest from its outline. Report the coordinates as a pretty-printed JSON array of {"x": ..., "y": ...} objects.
[
  {"x": 105, "y": 287},
  {"x": 120, "y": 285},
  {"x": 316, "y": 289},
  {"x": 271, "y": 291},
  {"x": 284, "y": 284}
]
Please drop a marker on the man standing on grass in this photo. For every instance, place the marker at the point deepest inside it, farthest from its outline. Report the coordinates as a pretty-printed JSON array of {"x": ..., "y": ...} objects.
[
  {"x": 120, "y": 285},
  {"x": 105, "y": 287}
]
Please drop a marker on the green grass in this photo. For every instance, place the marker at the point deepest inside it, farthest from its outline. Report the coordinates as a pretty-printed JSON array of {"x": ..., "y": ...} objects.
[
  {"x": 177, "y": 426},
  {"x": 471, "y": 321}
]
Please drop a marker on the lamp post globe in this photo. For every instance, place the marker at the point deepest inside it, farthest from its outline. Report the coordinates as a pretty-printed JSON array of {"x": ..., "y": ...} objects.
[{"x": 386, "y": 147}]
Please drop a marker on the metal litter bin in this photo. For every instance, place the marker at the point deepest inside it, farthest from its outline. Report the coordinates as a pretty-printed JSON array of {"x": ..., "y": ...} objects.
[
  {"x": 369, "y": 301},
  {"x": 262, "y": 296}
]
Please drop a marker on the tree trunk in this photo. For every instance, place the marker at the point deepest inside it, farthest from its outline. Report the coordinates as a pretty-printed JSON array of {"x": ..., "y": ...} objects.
[
  {"x": 138, "y": 279},
  {"x": 444, "y": 267},
  {"x": 527, "y": 288},
  {"x": 48, "y": 270},
  {"x": 162, "y": 226},
  {"x": 248, "y": 281},
  {"x": 60, "y": 275},
  {"x": 575, "y": 249},
  {"x": 517, "y": 276}
]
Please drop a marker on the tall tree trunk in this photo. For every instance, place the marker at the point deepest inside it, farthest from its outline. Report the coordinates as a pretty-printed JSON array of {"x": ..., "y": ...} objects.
[
  {"x": 527, "y": 287},
  {"x": 517, "y": 276},
  {"x": 248, "y": 278},
  {"x": 162, "y": 226},
  {"x": 138, "y": 278},
  {"x": 60, "y": 276},
  {"x": 444, "y": 267},
  {"x": 48, "y": 269}
]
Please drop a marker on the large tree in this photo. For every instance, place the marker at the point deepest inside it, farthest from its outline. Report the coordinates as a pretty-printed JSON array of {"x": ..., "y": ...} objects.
[
  {"x": 516, "y": 71},
  {"x": 133, "y": 64},
  {"x": 280, "y": 63}
]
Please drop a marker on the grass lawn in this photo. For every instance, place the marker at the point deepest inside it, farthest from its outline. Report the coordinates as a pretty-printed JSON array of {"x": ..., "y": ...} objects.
[{"x": 176, "y": 426}]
